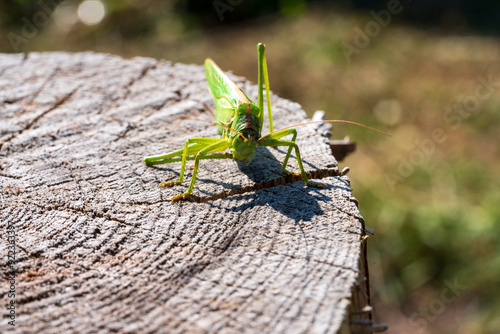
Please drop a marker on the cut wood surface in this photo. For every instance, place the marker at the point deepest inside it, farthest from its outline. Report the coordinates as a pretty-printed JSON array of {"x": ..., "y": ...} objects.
[{"x": 100, "y": 248}]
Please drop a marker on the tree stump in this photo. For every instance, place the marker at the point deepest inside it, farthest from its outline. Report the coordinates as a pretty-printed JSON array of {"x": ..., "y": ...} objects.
[{"x": 100, "y": 248}]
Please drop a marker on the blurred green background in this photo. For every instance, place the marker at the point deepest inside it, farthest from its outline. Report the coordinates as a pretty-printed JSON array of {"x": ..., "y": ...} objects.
[{"x": 428, "y": 72}]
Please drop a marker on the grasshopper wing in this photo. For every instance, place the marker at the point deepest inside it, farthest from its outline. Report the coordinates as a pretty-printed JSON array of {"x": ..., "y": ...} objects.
[{"x": 227, "y": 96}]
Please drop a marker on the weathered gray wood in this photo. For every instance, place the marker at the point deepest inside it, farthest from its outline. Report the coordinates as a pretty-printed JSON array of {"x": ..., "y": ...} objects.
[{"x": 100, "y": 247}]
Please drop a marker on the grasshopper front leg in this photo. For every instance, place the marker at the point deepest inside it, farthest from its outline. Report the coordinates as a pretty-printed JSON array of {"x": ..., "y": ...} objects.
[
  {"x": 198, "y": 146},
  {"x": 273, "y": 140},
  {"x": 221, "y": 145}
]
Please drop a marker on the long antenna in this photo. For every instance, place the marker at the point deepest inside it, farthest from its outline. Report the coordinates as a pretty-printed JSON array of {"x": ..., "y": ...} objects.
[
  {"x": 209, "y": 109},
  {"x": 202, "y": 120},
  {"x": 327, "y": 121}
]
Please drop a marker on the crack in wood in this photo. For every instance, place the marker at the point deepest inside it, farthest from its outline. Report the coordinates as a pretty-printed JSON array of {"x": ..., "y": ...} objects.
[
  {"x": 306, "y": 258},
  {"x": 86, "y": 212},
  {"x": 8, "y": 175},
  {"x": 143, "y": 73},
  {"x": 44, "y": 84},
  {"x": 37, "y": 118},
  {"x": 283, "y": 180}
]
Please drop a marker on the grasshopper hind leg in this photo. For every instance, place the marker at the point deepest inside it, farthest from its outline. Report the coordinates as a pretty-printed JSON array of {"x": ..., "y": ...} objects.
[
  {"x": 308, "y": 182},
  {"x": 274, "y": 140}
]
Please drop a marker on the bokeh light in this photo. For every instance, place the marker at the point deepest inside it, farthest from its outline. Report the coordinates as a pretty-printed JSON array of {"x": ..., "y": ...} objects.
[
  {"x": 65, "y": 16},
  {"x": 91, "y": 12}
]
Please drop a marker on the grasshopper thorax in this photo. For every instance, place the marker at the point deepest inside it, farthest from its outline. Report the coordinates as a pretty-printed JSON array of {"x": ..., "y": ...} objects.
[{"x": 247, "y": 123}]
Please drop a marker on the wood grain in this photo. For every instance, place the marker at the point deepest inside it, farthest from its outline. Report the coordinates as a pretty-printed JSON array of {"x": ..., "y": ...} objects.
[{"x": 100, "y": 247}]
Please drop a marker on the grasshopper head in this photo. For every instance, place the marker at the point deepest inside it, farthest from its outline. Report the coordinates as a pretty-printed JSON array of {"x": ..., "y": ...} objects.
[{"x": 244, "y": 149}]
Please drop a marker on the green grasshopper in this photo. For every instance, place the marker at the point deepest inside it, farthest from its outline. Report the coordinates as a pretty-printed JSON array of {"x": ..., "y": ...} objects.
[{"x": 239, "y": 124}]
